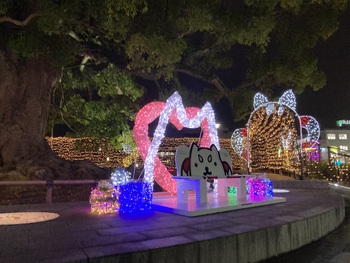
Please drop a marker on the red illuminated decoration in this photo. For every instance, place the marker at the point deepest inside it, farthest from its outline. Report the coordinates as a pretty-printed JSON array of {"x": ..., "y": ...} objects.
[
  {"x": 244, "y": 132},
  {"x": 147, "y": 115},
  {"x": 304, "y": 120}
]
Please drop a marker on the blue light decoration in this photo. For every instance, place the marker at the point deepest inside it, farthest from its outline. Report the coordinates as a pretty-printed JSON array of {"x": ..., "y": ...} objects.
[
  {"x": 259, "y": 187},
  {"x": 135, "y": 197}
]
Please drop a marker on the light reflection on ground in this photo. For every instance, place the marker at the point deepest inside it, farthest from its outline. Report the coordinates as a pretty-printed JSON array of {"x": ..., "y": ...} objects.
[
  {"x": 25, "y": 217},
  {"x": 280, "y": 191}
]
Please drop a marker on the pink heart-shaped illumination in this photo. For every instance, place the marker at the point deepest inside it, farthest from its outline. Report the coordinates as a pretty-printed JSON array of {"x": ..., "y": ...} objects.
[{"x": 147, "y": 115}]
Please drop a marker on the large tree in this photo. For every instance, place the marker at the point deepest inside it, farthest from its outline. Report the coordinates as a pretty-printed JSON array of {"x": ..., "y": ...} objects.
[{"x": 44, "y": 43}]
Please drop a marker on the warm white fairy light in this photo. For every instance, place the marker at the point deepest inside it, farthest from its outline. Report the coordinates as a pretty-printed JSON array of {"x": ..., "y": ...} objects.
[
  {"x": 286, "y": 142},
  {"x": 286, "y": 101},
  {"x": 104, "y": 198}
]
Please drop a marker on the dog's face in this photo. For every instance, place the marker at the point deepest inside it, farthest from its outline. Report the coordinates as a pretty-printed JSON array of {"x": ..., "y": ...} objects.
[{"x": 205, "y": 161}]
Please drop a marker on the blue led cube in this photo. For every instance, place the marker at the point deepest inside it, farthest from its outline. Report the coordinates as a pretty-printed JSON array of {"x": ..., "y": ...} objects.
[{"x": 135, "y": 197}]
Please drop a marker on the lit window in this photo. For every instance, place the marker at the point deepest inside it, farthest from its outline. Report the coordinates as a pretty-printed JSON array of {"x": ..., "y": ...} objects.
[
  {"x": 343, "y": 136},
  {"x": 343, "y": 147},
  {"x": 331, "y": 136}
]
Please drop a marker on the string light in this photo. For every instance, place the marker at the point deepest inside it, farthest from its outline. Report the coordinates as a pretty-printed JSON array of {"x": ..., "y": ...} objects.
[
  {"x": 131, "y": 158},
  {"x": 120, "y": 176},
  {"x": 272, "y": 140},
  {"x": 259, "y": 186},
  {"x": 172, "y": 111},
  {"x": 93, "y": 149},
  {"x": 103, "y": 199},
  {"x": 88, "y": 149},
  {"x": 272, "y": 133},
  {"x": 239, "y": 141},
  {"x": 270, "y": 108},
  {"x": 127, "y": 148},
  {"x": 288, "y": 99},
  {"x": 312, "y": 127},
  {"x": 135, "y": 197},
  {"x": 259, "y": 100}
]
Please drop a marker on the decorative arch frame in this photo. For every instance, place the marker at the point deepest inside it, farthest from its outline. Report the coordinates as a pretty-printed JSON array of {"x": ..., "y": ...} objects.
[
  {"x": 288, "y": 100},
  {"x": 172, "y": 111}
]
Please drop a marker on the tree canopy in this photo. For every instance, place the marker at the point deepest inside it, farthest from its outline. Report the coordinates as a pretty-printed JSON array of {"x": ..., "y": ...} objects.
[{"x": 105, "y": 48}]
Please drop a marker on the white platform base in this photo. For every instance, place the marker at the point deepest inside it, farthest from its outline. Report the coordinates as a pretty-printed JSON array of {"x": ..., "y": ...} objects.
[{"x": 215, "y": 204}]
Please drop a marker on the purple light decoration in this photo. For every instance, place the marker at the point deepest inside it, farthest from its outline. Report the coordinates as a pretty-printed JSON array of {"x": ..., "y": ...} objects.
[
  {"x": 135, "y": 197},
  {"x": 259, "y": 187}
]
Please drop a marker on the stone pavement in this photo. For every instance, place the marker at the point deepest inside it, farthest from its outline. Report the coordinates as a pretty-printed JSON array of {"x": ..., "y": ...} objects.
[
  {"x": 334, "y": 248},
  {"x": 248, "y": 235}
]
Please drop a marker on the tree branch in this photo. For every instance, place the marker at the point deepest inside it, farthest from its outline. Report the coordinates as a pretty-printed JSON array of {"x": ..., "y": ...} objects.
[
  {"x": 220, "y": 86},
  {"x": 16, "y": 22},
  {"x": 69, "y": 126},
  {"x": 142, "y": 74},
  {"x": 183, "y": 34},
  {"x": 191, "y": 74}
]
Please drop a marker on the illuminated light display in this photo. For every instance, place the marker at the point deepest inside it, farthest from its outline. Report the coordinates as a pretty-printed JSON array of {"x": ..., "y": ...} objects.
[
  {"x": 135, "y": 197},
  {"x": 93, "y": 149},
  {"x": 259, "y": 100},
  {"x": 280, "y": 110},
  {"x": 120, "y": 176},
  {"x": 131, "y": 158},
  {"x": 85, "y": 149},
  {"x": 103, "y": 199},
  {"x": 312, "y": 127},
  {"x": 270, "y": 108},
  {"x": 259, "y": 187},
  {"x": 272, "y": 140},
  {"x": 287, "y": 142},
  {"x": 239, "y": 142},
  {"x": 88, "y": 149},
  {"x": 174, "y": 112},
  {"x": 272, "y": 134},
  {"x": 127, "y": 148},
  {"x": 288, "y": 99}
]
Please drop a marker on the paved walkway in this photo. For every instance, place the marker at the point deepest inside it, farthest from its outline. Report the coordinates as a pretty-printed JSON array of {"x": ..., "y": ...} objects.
[{"x": 247, "y": 235}]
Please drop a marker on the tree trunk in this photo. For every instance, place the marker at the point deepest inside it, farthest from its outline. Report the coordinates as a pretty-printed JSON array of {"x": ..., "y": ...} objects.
[{"x": 25, "y": 89}]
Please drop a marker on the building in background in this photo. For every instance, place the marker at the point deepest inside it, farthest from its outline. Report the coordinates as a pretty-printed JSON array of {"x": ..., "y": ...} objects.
[{"x": 336, "y": 142}]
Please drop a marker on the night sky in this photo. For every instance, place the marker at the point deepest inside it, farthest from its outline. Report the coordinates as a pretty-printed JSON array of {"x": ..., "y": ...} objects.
[
  {"x": 333, "y": 101},
  {"x": 327, "y": 105}
]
